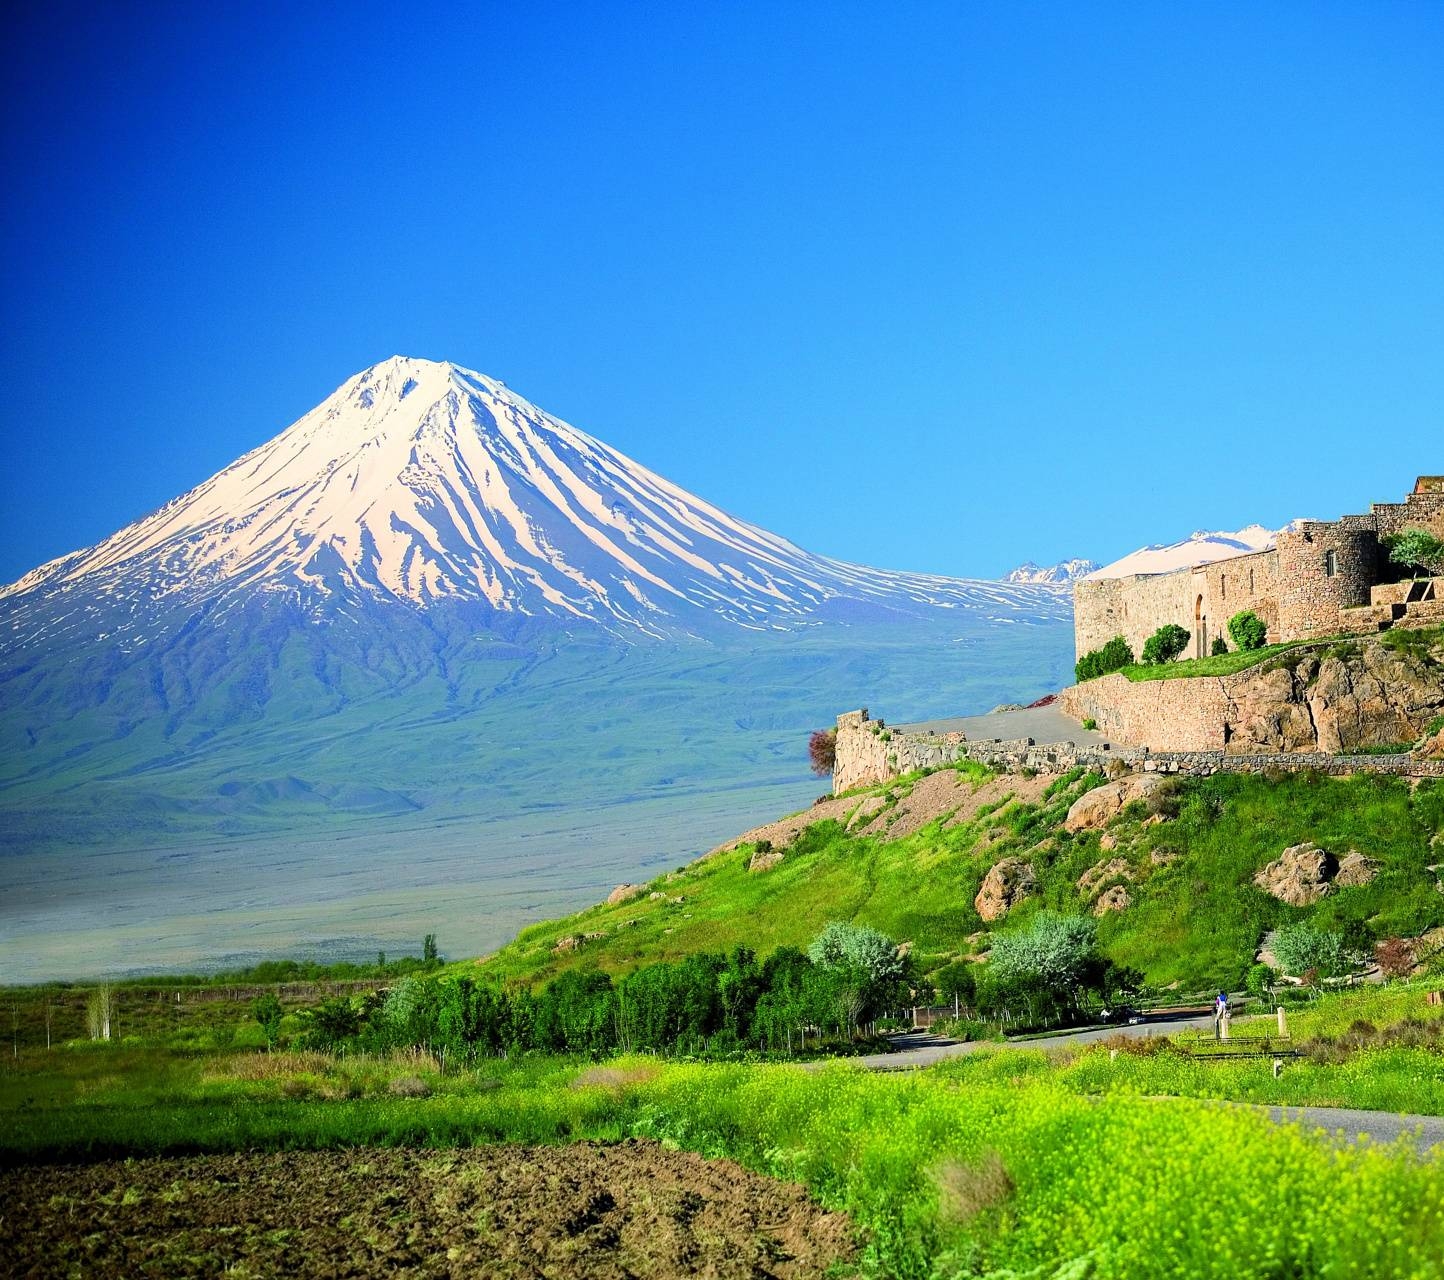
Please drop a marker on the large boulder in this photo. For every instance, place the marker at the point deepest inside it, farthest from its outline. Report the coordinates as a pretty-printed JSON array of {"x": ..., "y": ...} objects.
[
  {"x": 1355, "y": 869},
  {"x": 1300, "y": 875},
  {"x": 764, "y": 860},
  {"x": 1115, "y": 899},
  {"x": 1006, "y": 884},
  {"x": 1100, "y": 806},
  {"x": 623, "y": 893}
]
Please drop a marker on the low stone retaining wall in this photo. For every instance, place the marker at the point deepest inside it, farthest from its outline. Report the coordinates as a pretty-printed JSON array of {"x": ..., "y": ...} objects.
[{"x": 868, "y": 752}]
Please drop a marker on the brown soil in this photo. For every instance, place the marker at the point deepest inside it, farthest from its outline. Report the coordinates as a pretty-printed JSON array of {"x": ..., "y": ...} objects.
[
  {"x": 945, "y": 794},
  {"x": 785, "y": 830},
  {"x": 589, "y": 1209},
  {"x": 948, "y": 794}
]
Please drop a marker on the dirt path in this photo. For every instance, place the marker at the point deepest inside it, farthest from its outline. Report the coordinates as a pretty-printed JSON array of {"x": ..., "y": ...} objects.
[{"x": 587, "y": 1209}]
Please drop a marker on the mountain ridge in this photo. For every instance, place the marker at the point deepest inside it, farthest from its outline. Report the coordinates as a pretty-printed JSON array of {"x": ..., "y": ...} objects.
[
  {"x": 421, "y": 481},
  {"x": 1202, "y": 546}
]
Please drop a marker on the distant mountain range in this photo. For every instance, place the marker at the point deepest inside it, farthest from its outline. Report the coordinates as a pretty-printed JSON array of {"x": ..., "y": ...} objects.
[
  {"x": 1062, "y": 573},
  {"x": 1200, "y": 547},
  {"x": 436, "y": 627}
]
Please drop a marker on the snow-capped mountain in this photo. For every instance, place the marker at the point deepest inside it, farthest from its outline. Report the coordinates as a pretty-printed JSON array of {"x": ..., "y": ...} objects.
[
  {"x": 1200, "y": 547},
  {"x": 419, "y": 482},
  {"x": 1062, "y": 573},
  {"x": 436, "y": 623}
]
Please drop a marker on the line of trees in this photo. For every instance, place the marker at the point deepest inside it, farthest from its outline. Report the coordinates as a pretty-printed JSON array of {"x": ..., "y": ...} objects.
[{"x": 711, "y": 1004}]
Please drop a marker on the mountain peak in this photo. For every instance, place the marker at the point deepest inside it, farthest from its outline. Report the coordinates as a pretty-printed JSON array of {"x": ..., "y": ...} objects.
[{"x": 419, "y": 481}]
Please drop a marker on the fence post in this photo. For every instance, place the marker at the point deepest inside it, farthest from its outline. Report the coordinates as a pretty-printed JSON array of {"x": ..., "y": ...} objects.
[{"x": 1283, "y": 1022}]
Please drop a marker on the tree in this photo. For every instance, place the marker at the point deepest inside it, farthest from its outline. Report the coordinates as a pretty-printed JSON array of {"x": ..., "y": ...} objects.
[
  {"x": 1165, "y": 644},
  {"x": 1057, "y": 954},
  {"x": 1113, "y": 656},
  {"x": 1419, "y": 550},
  {"x": 1248, "y": 630},
  {"x": 1219, "y": 647},
  {"x": 822, "y": 751},
  {"x": 428, "y": 949},
  {"x": 99, "y": 1011},
  {"x": 267, "y": 1011},
  {"x": 331, "y": 1022},
  {"x": 861, "y": 966},
  {"x": 957, "y": 982}
]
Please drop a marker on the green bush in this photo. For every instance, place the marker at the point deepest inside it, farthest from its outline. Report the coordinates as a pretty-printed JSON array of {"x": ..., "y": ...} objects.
[
  {"x": 1113, "y": 656},
  {"x": 1165, "y": 644},
  {"x": 1219, "y": 647},
  {"x": 1417, "y": 549},
  {"x": 1248, "y": 630},
  {"x": 1303, "y": 949},
  {"x": 1090, "y": 723}
]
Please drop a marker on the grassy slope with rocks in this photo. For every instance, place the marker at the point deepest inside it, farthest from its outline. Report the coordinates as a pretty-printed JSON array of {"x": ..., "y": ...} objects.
[{"x": 1196, "y": 917}]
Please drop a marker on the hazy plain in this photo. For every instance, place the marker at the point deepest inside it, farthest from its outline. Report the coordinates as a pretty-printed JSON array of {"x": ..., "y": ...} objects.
[{"x": 392, "y": 818}]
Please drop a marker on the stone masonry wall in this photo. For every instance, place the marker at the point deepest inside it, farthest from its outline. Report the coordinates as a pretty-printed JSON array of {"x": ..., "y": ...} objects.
[
  {"x": 1170, "y": 715},
  {"x": 1316, "y": 583},
  {"x": 1310, "y": 595},
  {"x": 1200, "y": 600},
  {"x": 910, "y": 752},
  {"x": 1331, "y": 697}
]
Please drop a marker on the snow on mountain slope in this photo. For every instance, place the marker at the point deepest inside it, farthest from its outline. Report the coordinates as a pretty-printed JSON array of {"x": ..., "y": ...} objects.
[
  {"x": 1065, "y": 571},
  {"x": 418, "y": 482},
  {"x": 1200, "y": 547}
]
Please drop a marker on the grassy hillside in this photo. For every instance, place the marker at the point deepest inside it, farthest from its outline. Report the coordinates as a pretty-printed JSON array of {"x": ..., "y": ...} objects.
[{"x": 1196, "y": 917}]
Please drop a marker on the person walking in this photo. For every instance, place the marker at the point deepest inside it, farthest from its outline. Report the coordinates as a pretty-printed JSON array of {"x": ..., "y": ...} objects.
[{"x": 1220, "y": 1015}]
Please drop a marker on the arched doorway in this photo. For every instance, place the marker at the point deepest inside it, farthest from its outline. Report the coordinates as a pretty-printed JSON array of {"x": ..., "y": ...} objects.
[{"x": 1200, "y": 629}]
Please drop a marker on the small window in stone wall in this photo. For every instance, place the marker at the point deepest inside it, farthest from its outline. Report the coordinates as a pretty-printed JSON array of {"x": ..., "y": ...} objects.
[
  {"x": 1250, "y": 582},
  {"x": 1331, "y": 562},
  {"x": 1222, "y": 587}
]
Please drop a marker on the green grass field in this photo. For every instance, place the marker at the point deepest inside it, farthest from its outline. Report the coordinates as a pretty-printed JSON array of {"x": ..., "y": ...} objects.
[{"x": 1007, "y": 1163}]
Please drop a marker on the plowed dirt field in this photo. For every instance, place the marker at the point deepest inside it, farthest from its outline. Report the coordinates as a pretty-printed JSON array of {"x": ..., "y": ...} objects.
[{"x": 585, "y": 1210}]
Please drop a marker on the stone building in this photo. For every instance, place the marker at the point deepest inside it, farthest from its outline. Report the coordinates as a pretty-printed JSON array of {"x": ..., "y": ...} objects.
[{"x": 1322, "y": 579}]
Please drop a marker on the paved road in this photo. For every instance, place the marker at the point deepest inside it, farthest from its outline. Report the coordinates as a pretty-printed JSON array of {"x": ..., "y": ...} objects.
[
  {"x": 923, "y": 1049},
  {"x": 1042, "y": 724}
]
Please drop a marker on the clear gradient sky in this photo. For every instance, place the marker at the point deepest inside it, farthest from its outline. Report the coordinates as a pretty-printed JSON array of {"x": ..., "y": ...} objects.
[{"x": 936, "y": 287}]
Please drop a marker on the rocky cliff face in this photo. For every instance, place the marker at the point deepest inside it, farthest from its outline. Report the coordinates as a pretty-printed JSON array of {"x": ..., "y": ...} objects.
[
  {"x": 1329, "y": 698},
  {"x": 1351, "y": 696}
]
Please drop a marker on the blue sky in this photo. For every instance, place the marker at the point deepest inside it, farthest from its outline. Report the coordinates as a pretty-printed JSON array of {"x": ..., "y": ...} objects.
[{"x": 937, "y": 287}]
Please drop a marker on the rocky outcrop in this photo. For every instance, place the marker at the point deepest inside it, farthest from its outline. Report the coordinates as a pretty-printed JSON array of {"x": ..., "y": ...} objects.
[
  {"x": 1431, "y": 747},
  {"x": 1102, "y": 872},
  {"x": 1326, "y": 698},
  {"x": 623, "y": 893},
  {"x": 1355, "y": 869},
  {"x": 1304, "y": 873},
  {"x": 1007, "y": 883},
  {"x": 1100, "y": 806},
  {"x": 764, "y": 860},
  {"x": 1115, "y": 899}
]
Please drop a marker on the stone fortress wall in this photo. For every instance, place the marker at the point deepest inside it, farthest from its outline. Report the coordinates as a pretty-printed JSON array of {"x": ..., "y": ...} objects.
[
  {"x": 868, "y": 753},
  {"x": 1323, "y": 579}
]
